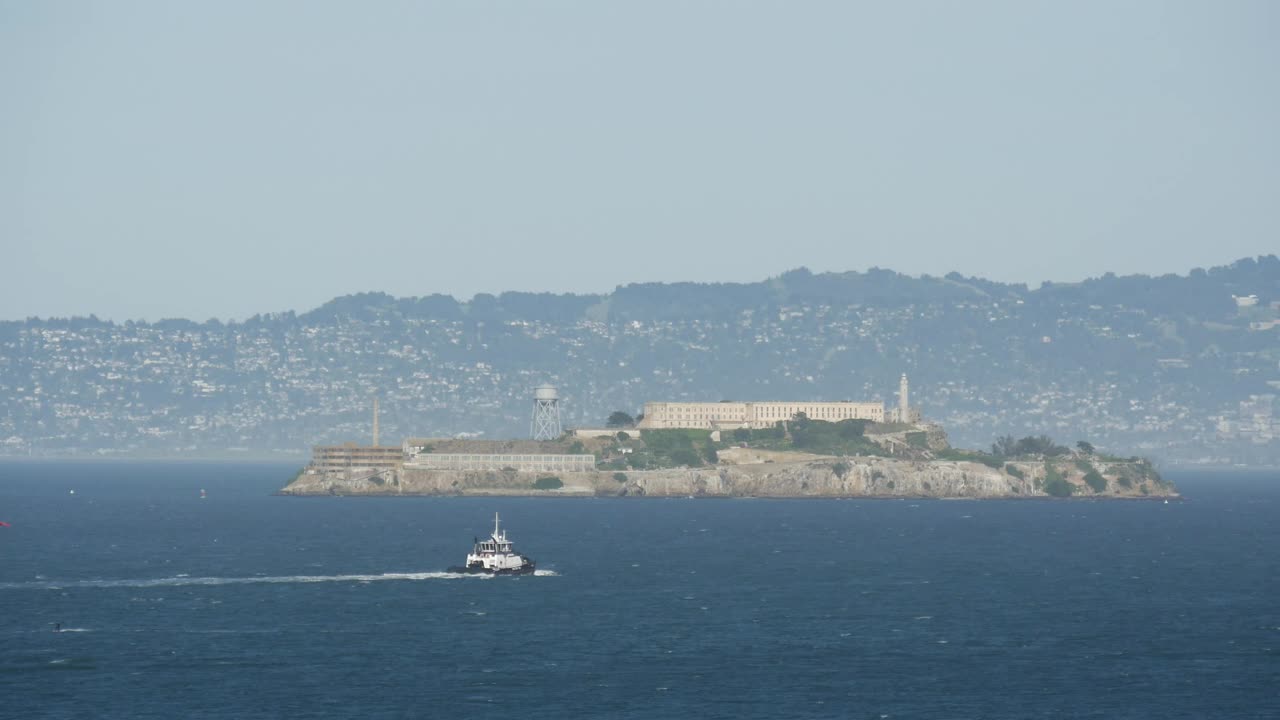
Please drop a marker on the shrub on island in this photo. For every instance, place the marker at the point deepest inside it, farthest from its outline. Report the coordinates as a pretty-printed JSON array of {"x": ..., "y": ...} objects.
[{"x": 1095, "y": 481}]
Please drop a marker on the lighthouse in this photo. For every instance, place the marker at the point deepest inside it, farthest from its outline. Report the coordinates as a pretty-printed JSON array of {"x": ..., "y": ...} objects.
[{"x": 904, "y": 406}]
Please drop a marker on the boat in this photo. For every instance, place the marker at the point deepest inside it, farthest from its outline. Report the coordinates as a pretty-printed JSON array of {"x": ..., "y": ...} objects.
[{"x": 495, "y": 556}]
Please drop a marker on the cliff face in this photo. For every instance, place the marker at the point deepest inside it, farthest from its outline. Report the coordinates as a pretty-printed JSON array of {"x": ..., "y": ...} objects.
[{"x": 826, "y": 477}]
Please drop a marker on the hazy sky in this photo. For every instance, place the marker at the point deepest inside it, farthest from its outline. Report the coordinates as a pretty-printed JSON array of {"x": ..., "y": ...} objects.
[{"x": 198, "y": 159}]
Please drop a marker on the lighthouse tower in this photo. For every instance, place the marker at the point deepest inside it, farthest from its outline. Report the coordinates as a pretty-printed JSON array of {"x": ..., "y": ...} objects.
[{"x": 904, "y": 405}]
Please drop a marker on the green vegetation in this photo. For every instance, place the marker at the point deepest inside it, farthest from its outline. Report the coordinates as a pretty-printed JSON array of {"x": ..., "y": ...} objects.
[
  {"x": 550, "y": 482},
  {"x": 577, "y": 448},
  {"x": 1054, "y": 483},
  {"x": 977, "y": 456},
  {"x": 1137, "y": 472},
  {"x": 1095, "y": 481},
  {"x": 820, "y": 437},
  {"x": 1092, "y": 477},
  {"x": 665, "y": 441},
  {"x": 1144, "y": 470},
  {"x": 695, "y": 448},
  {"x": 1128, "y": 471},
  {"x": 685, "y": 457},
  {"x": 673, "y": 448},
  {"x": 1059, "y": 487},
  {"x": 1133, "y": 472},
  {"x": 1042, "y": 445},
  {"x": 619, "y": 419},
  {"x": 812, "y": 435},
  {"x": 623, "y": 436},
  {"x": 990, "y": 461}
]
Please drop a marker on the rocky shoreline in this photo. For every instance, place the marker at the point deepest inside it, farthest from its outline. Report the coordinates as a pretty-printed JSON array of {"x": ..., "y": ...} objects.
[{"x": 812, "y": 477}]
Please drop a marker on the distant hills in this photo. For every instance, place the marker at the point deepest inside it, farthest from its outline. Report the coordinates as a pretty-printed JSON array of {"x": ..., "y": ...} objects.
[{"x": 1182, "y": 367}]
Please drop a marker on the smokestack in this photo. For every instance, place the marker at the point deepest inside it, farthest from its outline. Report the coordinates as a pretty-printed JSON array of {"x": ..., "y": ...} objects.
[{"x": 375, "y": 420}]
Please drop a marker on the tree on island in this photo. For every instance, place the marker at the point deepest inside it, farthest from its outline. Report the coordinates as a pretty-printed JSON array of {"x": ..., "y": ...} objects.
[
  {"x": 1006, "y": 446},
  {"x": 618, "y": 419},
  {"x": 1085, "y": 447}
]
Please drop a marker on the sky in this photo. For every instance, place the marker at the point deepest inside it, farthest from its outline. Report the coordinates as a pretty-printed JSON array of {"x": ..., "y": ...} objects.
[{"x": 221, "y": 159}]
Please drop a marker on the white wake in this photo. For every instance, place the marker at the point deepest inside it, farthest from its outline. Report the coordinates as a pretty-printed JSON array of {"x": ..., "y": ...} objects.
[{"x": 183, "y": 580}]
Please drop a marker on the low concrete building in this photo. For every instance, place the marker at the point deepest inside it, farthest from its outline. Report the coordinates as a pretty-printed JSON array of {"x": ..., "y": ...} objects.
[
  {"x": 604, "y": 432},
  {"x": 335, "y": 458},
  {"x": 535, "y": 462}
]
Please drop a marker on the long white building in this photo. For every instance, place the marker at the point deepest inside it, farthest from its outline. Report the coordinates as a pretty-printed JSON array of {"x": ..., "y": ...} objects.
[
  {"x": 731, "y": 415},
  {"x": 533, "y": 462}
]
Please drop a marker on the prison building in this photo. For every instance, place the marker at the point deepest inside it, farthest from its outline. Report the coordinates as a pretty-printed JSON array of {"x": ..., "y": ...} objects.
[{"x": 732, "y": 415}]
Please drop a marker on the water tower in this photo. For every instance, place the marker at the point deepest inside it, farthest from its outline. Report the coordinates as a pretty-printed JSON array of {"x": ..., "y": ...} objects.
[{"x": 546, "y": 413}]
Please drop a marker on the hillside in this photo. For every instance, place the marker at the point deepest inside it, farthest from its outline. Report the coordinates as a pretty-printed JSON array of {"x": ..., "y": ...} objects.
[{"x": 1183, "y": 368}]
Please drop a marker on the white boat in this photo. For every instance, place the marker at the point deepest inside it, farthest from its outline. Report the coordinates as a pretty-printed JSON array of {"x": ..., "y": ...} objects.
[{"x": 495, "y": 556}]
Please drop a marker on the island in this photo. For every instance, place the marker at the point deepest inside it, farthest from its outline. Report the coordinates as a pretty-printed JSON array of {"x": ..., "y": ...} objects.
[{"x": 801, "y": 458}]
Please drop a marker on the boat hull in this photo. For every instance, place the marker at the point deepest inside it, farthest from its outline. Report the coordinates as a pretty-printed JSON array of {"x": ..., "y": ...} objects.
[{"x": 481, "y": 570}]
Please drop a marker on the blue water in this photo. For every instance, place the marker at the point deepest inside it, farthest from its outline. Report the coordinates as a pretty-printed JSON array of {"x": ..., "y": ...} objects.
[{"x": 247, "y": 605}]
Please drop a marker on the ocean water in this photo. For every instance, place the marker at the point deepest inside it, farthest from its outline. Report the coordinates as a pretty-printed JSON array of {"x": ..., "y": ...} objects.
[{"x": 247, "y": 605}]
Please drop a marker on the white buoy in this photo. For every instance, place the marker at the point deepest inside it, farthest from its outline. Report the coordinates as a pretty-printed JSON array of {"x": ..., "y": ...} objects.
[{"x": 73, "y": 492}]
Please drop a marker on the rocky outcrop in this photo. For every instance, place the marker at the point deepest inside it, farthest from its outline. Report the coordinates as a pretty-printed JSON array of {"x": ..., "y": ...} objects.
[{"x": 813, "y": 476}]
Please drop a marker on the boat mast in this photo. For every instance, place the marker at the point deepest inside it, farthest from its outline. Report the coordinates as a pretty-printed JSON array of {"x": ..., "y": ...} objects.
[{"x": 495, "y": 526}]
